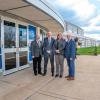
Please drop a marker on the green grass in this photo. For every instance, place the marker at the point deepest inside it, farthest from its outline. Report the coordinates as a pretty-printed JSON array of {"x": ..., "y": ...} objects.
[{"x": 88, "y": 51}]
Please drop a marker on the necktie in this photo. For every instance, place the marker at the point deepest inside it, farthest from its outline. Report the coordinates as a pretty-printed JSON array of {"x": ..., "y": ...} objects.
[
  {"x": 49, "y": 41},
  {"x": 38, "y": 42}
]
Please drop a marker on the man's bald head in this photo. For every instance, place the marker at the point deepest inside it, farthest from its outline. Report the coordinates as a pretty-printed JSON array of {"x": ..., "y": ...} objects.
[{"x": 49, "y": 34}]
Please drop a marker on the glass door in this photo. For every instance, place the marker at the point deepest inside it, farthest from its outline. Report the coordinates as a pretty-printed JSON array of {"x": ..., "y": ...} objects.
[
  {"x": 15, "y": 48},
  {"x": 23, "y": 48},
  {"x": 9, "y": 48}
]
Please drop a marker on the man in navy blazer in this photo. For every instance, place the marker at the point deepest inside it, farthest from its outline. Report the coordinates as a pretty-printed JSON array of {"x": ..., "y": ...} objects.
[
  {"x": 70, "y": 52},
  {"x": 48, "y": 47}
]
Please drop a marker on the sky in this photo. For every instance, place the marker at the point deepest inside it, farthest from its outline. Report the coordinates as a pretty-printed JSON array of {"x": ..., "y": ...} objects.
[{"x": 83, "y": 13}]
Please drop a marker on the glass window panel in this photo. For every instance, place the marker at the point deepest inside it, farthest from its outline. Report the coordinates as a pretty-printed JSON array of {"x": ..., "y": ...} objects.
[
  {"x": 23, "y": 58},
  {"x": 32, "y": 32},
  {"x": 0, "y": 47},
  {"x": 22, "y": 36},
  {"x": 0, "y": 36},
  {"x": 9, "y": 34},
  {"x": 30, "y": 56},
  {"x": 10, "y": 60}
]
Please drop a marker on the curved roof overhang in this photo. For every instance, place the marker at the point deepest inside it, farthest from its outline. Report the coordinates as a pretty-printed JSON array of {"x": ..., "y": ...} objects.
[{"x": 38, "y": 11}]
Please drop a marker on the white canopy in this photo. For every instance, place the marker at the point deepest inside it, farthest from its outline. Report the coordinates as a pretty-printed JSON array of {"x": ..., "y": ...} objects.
[{"x": 34, "y": 13}]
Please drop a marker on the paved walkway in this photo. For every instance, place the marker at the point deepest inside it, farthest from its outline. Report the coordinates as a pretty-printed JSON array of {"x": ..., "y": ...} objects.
[{"x": 23, "y": 85}]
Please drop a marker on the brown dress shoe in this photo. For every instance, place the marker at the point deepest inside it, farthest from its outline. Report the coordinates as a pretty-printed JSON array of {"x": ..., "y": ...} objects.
[{"x": 71, "y": 78}]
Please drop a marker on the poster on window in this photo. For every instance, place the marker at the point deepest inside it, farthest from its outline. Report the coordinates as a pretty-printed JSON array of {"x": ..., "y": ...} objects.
[{"x": 32, "y": 34}]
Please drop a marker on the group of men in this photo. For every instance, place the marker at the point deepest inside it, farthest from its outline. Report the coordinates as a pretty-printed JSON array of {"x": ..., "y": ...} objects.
[{"x": 55, "y": 50}]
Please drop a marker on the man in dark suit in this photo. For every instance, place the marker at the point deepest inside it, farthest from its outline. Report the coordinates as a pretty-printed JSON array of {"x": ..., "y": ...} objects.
[
  {"x": 70, "y": 52},
  {"x": 37, "y": 47},
  {"x": 48, "y": 46}
]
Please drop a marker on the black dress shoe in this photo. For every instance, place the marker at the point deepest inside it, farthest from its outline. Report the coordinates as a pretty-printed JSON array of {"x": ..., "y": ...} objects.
[
  {"x": 40, "y": 73},
  {"x": 44, "y": 74},
  {"x": 52, "y": 74},
  {"x": 35, "y": 74},
  {"x": 60, "y": 76},
  {"x": 56, "y": 75}
]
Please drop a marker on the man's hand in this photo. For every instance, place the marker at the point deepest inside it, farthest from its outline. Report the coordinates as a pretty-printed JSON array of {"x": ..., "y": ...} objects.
[
  {"x": 71, "y": 58},
  {"x": 32, "y": 56},
  {"x": 57, "y": 51},
  {"x": 48, "y": 51}
]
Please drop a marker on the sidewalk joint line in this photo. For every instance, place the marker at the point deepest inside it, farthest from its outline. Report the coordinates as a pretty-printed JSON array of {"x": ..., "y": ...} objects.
[
  {"x": 61, "y": 95},
  {"x": 48, "y": 82},
  {"x": 52, "y": 96}
]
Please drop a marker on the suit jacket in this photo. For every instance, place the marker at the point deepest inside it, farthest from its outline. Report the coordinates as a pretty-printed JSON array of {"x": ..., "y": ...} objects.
[
  {"x": 60, "y": 45},
  {"x": 70, "y": 49},
  {"x": 37, "y": 49},
  {"x": 47, "y": 46}
]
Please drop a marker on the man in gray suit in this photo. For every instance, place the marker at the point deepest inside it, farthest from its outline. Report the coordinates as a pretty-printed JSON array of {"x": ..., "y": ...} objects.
[
  {"x": 48, "y": 46},
  {"x": 37, "y": 48},
  {"x": 59, "y": 55}
]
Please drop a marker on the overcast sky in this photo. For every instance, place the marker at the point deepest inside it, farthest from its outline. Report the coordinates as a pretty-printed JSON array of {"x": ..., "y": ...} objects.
[{"x": 84, "y": 13}]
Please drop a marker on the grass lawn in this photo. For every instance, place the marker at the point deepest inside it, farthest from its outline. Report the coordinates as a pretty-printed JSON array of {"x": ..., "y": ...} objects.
[{"x": 88, "y": 51}]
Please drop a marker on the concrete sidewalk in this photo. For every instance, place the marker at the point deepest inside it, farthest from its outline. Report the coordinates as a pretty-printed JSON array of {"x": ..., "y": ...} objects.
[{"x": 23, "y": 85}]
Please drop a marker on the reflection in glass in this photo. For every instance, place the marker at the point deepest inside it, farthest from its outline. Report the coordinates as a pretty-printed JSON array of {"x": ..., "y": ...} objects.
[
  {"x": 23, "y": 58},
  {"x": 10, "y": 60},
  {"x": 0, "y": 36},
  {"x": 22, "y": 36},
  {"x": 32, "y": 35},
  {"x": 30, "y": 56},
  {"x": 42, "y": 35},
  {"x": 9, "y": 34},
  {"x": 32, "y": 32}
]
